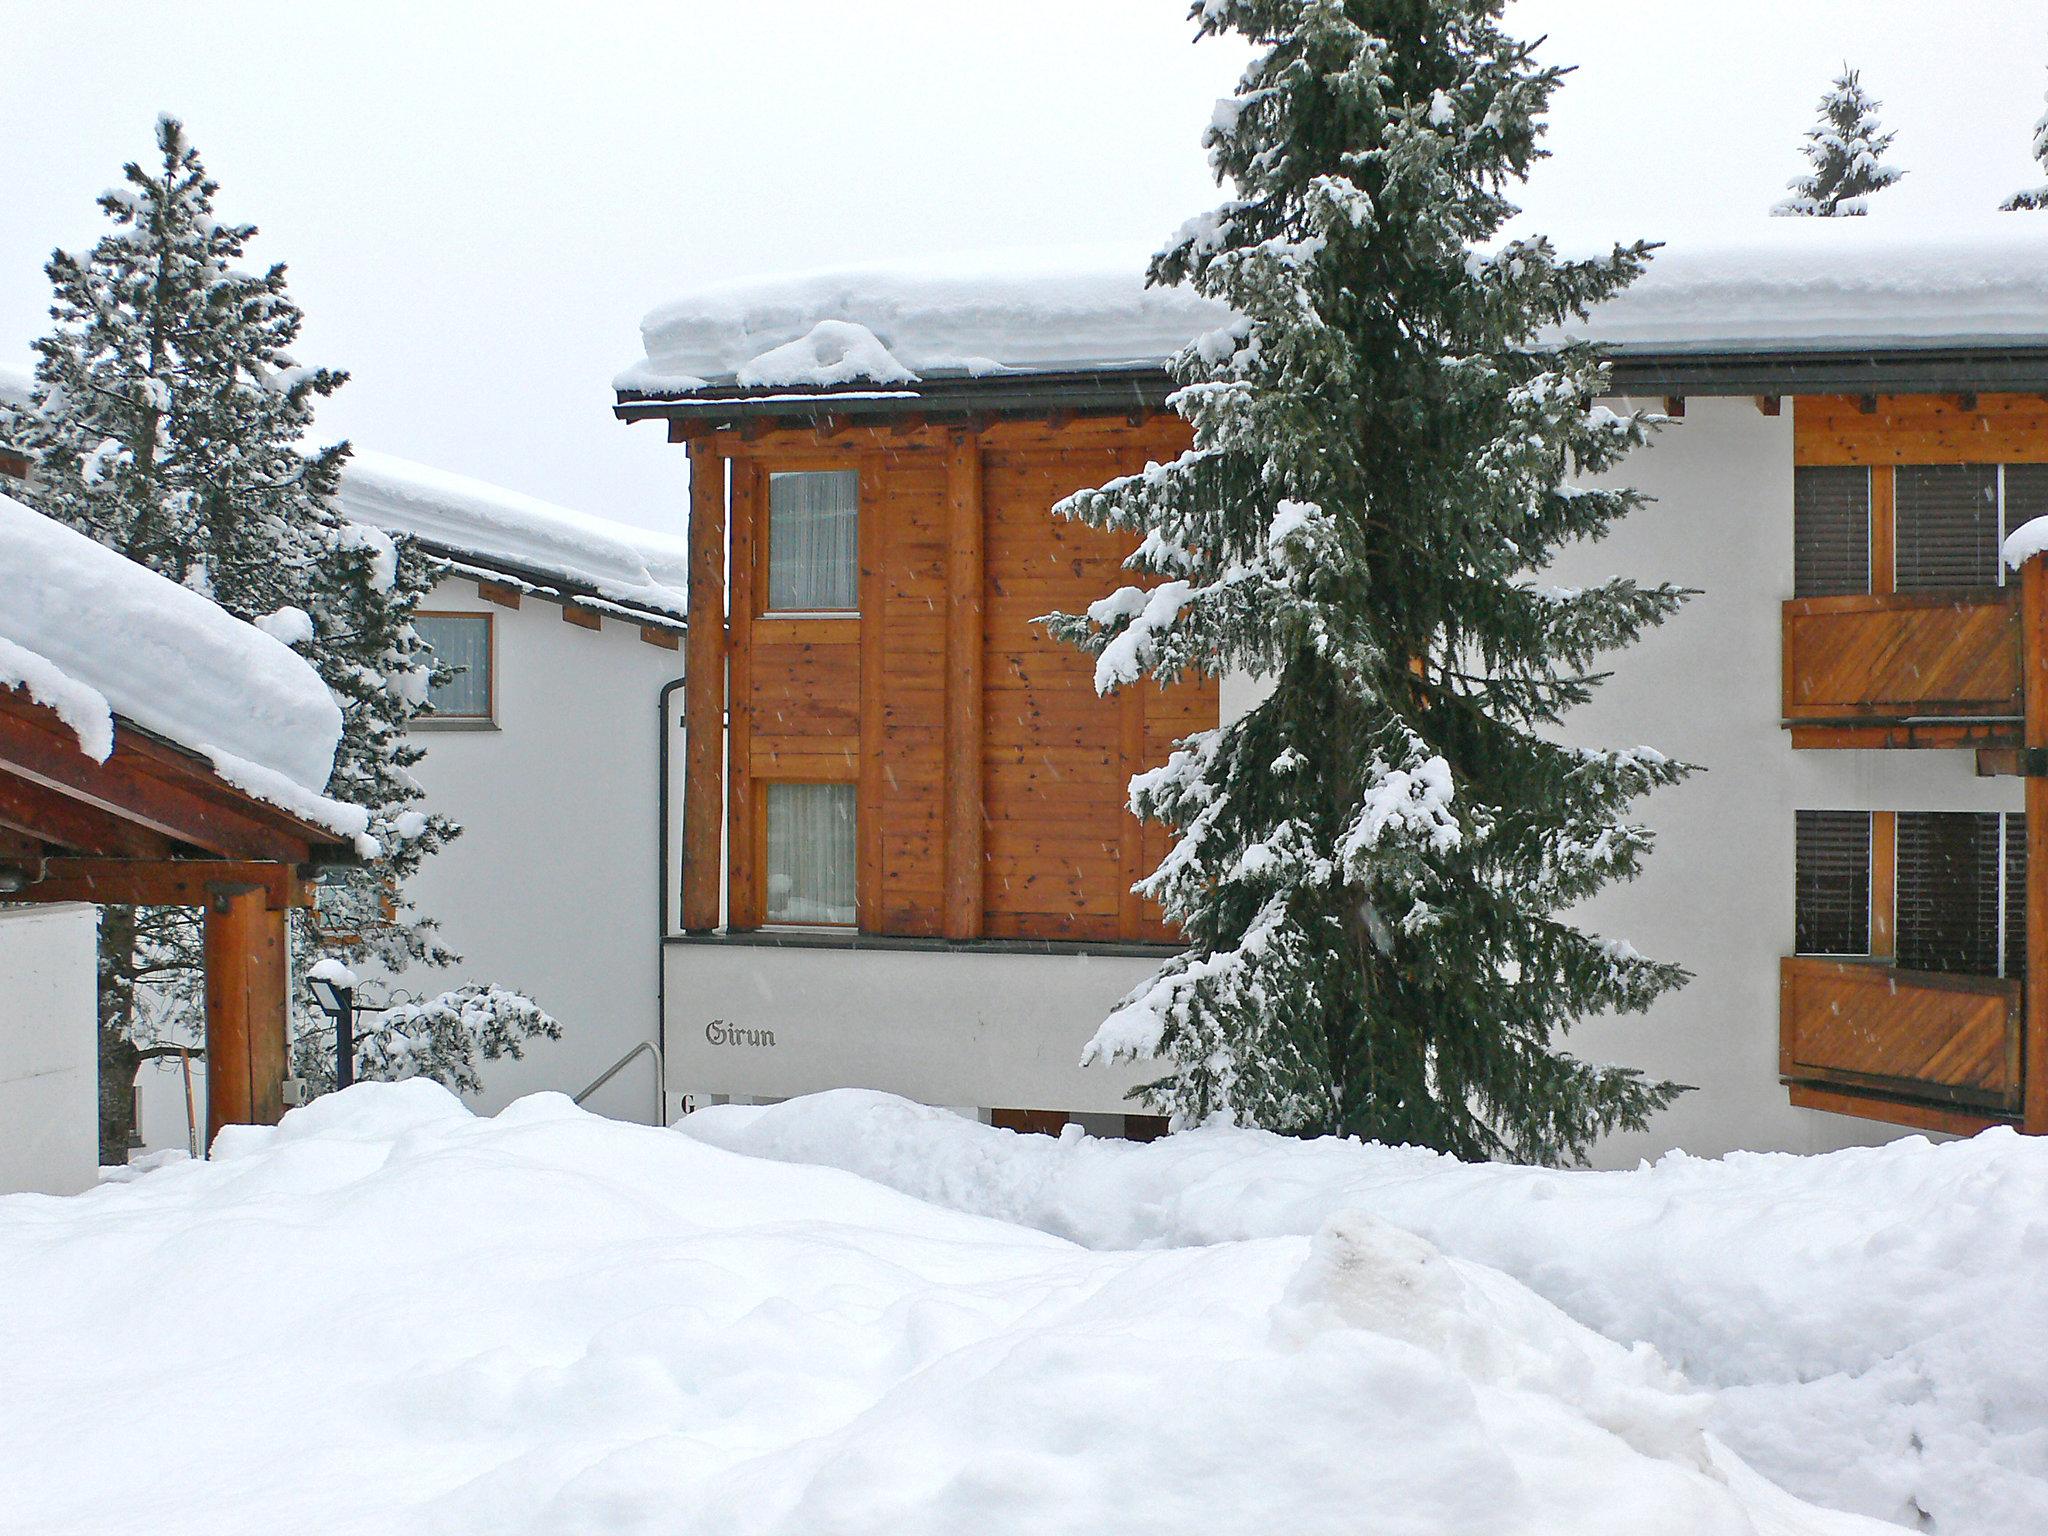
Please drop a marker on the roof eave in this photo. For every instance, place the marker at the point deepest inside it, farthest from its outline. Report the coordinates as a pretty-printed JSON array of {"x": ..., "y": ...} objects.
[{"x": 1644, "y": 369}]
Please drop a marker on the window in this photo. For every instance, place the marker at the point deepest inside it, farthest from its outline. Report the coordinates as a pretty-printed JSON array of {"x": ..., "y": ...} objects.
[
  {"x": 1946, "y": 526},
  {"x": 813, "y": 541},
  {"x": 1830, "y": 530},
  {"x": 1954, "y": 884},
  {"x": 1831, "y": 857},
  {"x": 462, "y": 641},
  {"x": 810, "y": 854}
]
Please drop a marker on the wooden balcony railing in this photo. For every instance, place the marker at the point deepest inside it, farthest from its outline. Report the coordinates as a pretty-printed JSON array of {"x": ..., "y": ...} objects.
[
  {"x": 1911, "y": 1037},
  {"x": 1910, "y": 669}
]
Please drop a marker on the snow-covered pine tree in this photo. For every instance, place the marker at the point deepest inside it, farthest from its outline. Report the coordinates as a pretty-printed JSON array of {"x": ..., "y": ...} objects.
[
  {"x": 168, "y": 420},
  {"x": 1372, "y": 859},
  {"x": 1846, "y": 149},
  {"x": 2034, "y": 198}
]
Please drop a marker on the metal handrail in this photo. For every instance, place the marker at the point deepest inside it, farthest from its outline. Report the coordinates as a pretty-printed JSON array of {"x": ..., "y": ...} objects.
[{"x": 644, "y": 1047}]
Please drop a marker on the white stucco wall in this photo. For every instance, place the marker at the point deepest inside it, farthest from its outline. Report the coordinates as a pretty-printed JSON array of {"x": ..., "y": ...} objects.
[
  {"x": 49, "y": 1113},
  {"x": 552, "y": 886},
  {"x": 1718, "y": 893}
]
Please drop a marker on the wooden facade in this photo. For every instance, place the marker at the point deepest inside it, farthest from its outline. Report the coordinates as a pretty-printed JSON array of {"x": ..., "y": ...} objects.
[
  {"x": 990, "y": 779},
  {"x": 1957, "y": 668}
]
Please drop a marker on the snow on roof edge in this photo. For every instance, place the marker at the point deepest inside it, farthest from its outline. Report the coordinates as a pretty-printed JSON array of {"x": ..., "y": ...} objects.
[
  {"x": 1791, "y": 285},
  {"x": 632, "y": 566}
]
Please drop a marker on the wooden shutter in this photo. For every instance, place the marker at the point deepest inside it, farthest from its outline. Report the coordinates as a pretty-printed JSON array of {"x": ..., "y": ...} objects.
[
  {"x": 1830, "y": 530},
  {"x": 1946, "y": 526},
  {"x": 1948, "y": 892},
  {"x": 2015, "y": 894},
  {"x": 1831, "y": 905}
]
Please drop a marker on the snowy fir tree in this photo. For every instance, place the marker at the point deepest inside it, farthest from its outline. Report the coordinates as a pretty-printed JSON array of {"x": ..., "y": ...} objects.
[
  {"x": 168, "y": 421},
  {"x": 1846, "y": 149},
  {"x": 1372, "y": 860},
  {"x": 2034, "y": 198}
]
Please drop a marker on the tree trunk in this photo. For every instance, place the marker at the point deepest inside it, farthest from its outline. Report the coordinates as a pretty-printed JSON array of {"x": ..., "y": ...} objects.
[{"x": 118, "y": 1056}]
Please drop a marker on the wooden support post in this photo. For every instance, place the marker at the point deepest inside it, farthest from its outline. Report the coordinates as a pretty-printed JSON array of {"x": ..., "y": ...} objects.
[
  {"x": 743, "y": 826},
  {"x": 245, "y": 1008},
  {"x": 964, "y": 586},
  {"x": 1884, "y": 562},
  {"x": 2034, "y": 694},
  {"x": 704, "y": 693}
]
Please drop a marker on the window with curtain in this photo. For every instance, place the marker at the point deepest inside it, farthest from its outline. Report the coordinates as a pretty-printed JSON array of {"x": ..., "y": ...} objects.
[
  {"x": 813, "y": 541},
  {"x": 461, "y": 641},
  {"x": 1830, "y": 530},
  {"x": 810, "y": 863}
]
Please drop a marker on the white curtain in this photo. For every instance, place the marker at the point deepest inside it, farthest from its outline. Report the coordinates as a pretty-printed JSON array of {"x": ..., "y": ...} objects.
[
  {"x": 463, "y": 641},
  {"x": 813, "y": 534},
  {"x": 810, "y": 853}
]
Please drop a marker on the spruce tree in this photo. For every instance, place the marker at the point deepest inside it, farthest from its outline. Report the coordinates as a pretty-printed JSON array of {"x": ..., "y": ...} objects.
[
  {"x": 2034, "y": 198},
  {"x": 1846, "y": 149},
  {"x": 168, "y": 420},
  {"x": 1372, "y": 860}
]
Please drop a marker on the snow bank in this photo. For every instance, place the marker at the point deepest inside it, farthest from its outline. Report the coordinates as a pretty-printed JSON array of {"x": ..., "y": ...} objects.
[
  {"x": 1872, "y": 1324},
  {"x": 1770, "y": 284},
  {"x": 93, "y": 635},
  {"x": 386, "y": 1315},
  {"x": 627, "y": 565}
]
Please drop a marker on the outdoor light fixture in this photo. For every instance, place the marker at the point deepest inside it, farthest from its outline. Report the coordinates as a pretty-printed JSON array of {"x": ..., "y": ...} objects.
[
  {"x": 13, "y": 879},
  {"x": 334, "y": 989}
]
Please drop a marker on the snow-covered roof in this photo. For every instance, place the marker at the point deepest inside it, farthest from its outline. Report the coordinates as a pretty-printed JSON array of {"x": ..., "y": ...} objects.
[
  {"x": 557, "y": 549},
  {"x": 1769, "y": 285},
  {"x": 504, "y": 529},
  {"x": 93, "y": 635},
  {"x": 968, "y": 316}
]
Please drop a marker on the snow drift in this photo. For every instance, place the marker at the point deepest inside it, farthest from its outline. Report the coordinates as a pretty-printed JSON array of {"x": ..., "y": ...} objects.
[
  {"x": 1872, "y": 1324},
  {"x": 93, "y": 635},
  {"x": 387, "y": 1315}
]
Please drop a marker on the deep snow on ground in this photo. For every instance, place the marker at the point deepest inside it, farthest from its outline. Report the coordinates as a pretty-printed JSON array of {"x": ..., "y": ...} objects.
[
  {"x": 389, "y": 1315},
  {"x": 1872, "y": 1324}
]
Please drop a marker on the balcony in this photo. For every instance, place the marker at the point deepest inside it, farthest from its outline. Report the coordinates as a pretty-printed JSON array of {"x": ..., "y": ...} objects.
[
  {"x": 1910, "y": 669},
  {"x": 1914, "y": 1047}
]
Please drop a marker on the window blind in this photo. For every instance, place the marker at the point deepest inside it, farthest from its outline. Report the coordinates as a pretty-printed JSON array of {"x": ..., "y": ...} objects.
[
  {"x": 1946, "y": 526},
  {"x": 810, "y": 853},
  {"x": 461, "y": 641},
  {"x": 1830, "y": 530},
  {"x": 1948, "y": 879},
  {"x": 2015, "y": 894},
  {"x": 1832, "y": 863},
  {"x": 2026, "y": 494},
  {"x": 813, "y": 541}
]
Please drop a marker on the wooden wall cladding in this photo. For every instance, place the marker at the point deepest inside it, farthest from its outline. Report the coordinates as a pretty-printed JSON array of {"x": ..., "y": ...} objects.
[
  {"x": 992, "y": 778},
  {"x": 1920, "y": 429},
  {"x": 1950, "y": 1038}
]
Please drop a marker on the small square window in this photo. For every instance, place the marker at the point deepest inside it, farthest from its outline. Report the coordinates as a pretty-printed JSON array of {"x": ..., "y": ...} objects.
[
  {"x": 813, "y": 541},
  {"x": 810, "y": 854},
  {"x": 461, "y": 641}
]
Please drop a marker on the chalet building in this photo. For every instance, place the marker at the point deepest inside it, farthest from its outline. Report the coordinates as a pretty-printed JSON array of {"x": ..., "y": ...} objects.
[{"x": 907, "y": 862}]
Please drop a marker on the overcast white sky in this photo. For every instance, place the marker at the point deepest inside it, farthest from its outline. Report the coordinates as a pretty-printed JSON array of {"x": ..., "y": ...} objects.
[{"x": 478, "y": 201}]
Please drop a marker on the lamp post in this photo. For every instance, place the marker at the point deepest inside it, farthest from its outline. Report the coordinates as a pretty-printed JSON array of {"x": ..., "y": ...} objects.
[{"x": 334, "y": 989}]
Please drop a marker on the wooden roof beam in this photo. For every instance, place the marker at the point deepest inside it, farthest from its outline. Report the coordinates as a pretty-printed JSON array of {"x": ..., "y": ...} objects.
[
  {"x": 164, "y": 882},
  {"x": 29, "y": 810},
  {"x": 152, "y": 786}
]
